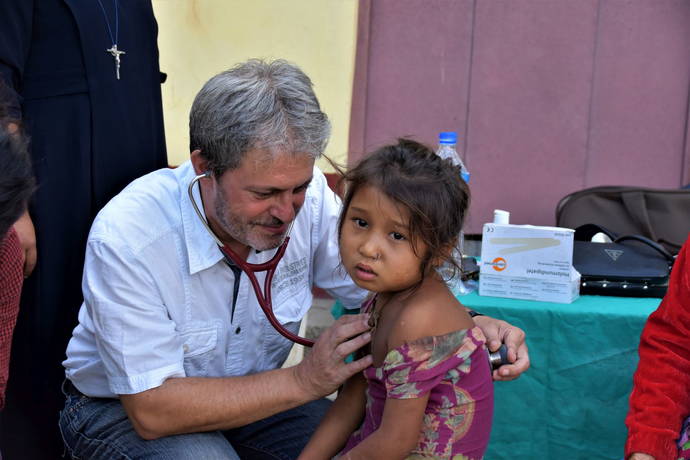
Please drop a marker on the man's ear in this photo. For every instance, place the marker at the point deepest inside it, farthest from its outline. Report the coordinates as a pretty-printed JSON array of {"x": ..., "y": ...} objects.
[{"x": 199, "y": 163}]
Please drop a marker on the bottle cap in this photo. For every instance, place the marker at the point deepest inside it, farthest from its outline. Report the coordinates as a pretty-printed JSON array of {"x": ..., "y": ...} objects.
[
  {"x": 501, "y": 217},
  {"x": 448, "y": 137}
]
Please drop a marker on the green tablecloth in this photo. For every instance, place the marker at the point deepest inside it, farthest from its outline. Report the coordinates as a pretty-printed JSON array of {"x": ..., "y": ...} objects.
[{"x": 572, "y": 402}]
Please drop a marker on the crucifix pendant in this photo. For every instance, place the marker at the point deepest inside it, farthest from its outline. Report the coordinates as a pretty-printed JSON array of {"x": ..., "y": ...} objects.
[{"x": 116, "y": 55}]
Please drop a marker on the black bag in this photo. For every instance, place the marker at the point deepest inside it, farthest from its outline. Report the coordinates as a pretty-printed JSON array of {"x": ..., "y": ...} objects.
[
  {"x": 630, "y": 266},
  {"x": 662, "y": 215}
]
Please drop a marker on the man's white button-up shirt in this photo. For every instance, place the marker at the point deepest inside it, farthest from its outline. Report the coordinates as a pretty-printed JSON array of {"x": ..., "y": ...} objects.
[{"x": 158, "y": 295}]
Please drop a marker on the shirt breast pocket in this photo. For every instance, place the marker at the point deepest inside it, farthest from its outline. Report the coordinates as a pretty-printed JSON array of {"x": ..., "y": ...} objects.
[{"x": 198, "y": 345}]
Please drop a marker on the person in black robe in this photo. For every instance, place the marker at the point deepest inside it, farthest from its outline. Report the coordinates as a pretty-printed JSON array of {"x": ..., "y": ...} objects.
[{"x": 91, "y": 134}]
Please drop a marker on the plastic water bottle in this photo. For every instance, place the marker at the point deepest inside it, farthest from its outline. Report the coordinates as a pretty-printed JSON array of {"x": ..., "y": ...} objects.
[
  {"x": 447, "y": 142},
  {"x": 447, "y": 149}
]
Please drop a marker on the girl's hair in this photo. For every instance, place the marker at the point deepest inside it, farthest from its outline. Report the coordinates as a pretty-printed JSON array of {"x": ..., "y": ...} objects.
[
  {"x": 16, "y": 175},
  {"x": 429, "y": 187},
  {"x": 16, "y": 179}
]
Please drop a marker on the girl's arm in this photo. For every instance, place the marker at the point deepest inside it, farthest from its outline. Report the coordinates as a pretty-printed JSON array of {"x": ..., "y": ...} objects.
[
  {"x": 402, "y": 419},
  {"x": 398, "y": 433},
  {"x": 341, "y": 420}
]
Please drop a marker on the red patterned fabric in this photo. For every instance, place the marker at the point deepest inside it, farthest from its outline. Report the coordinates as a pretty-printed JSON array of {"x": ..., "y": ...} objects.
[
  {"x": 660, "y": 399},
  {"x": 11, "y": 280}
]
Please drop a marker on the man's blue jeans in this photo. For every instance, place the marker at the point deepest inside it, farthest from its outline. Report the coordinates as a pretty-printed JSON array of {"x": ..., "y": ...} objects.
[{"x": 96, "y": 428}]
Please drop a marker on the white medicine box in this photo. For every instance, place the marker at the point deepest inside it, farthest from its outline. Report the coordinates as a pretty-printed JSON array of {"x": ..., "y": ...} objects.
[{"x": 528, "y": 262}]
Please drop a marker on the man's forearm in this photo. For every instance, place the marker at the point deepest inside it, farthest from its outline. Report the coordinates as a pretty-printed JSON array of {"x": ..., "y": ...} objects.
[{"x": 195, "y": 404}]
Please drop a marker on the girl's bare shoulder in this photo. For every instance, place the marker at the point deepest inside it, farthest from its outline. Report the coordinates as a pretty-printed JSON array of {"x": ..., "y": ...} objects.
[{"x": 431, "y": 310}]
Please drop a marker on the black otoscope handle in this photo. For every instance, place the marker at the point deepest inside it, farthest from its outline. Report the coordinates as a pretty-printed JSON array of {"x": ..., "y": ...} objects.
[{"x": 499, "y": 357}]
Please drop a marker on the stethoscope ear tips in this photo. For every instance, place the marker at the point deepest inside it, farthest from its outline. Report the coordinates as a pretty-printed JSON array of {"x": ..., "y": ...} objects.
[{"x": 207, "y": 173}]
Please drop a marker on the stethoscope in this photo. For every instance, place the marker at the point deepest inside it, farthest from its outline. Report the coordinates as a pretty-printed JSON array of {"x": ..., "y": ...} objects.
[
  {"x": 496, "y": 359},
  {"x": 263, "y": 297}
]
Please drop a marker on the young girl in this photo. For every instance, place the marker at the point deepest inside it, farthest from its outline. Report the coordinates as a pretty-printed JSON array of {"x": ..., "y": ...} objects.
[{"x": 429, "y": 393}]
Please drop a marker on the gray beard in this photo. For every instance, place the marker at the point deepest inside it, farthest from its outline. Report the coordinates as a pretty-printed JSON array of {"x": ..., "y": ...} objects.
[{"x": 241, "y": 231}]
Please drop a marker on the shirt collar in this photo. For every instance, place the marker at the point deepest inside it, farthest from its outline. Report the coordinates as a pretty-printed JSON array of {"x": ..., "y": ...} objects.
[{"x": 202, "y": 250}]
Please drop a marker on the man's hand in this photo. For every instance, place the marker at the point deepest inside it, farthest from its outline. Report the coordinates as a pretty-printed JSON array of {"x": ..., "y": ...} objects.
[
  {"x": 324, "y": 369},
  {"x": 498, "y": 332},
  {"x": 640, "y": 456},
  {"x": 27, "y": 236}
]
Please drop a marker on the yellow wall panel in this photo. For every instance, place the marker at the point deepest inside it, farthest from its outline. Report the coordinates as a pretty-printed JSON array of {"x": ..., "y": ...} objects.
[{"x": 199, "y": 38}]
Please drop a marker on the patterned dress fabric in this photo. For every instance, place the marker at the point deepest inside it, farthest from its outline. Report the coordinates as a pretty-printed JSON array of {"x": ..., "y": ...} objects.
[
  {"x": 454, "y": 370},
  {"x": 684, "y": 441}
]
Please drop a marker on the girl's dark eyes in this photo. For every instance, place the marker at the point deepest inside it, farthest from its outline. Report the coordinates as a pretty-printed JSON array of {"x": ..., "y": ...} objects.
[
  {"x": 397, "y": 236},
  {"x": 361, "y": 223}
]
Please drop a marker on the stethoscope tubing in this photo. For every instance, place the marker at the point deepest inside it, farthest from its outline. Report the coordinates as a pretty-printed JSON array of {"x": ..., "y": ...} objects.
[{"x": 249, "y": 269}]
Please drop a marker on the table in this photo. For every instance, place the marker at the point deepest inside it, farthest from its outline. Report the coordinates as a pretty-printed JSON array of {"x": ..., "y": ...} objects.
[{"x": 572, "y": 402}]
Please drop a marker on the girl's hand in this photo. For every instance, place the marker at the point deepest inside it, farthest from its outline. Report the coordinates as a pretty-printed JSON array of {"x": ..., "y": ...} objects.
[{"x": 498, "y": 332}]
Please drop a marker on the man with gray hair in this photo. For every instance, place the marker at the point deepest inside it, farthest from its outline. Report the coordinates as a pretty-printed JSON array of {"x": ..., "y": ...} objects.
[{"x": 173, "y": 356}]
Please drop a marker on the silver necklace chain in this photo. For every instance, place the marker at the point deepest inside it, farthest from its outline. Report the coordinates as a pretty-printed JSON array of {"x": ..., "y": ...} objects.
[
  {"x": 107, "y": 22},
  {"x": 114, "y": 39}
]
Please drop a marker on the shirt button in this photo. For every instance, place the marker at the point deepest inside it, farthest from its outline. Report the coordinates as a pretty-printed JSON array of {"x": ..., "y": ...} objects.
[
  {"x": 185, "y": 347},
  {"x": 238, "y": 330}
]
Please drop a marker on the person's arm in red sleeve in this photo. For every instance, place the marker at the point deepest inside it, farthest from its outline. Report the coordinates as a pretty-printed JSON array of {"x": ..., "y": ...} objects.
[
  {"x": 660, "y": 399},
  {"x": 11, "y": 262}
]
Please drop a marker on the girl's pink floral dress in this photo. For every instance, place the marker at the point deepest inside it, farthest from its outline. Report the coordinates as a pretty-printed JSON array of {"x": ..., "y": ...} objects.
[{"x": 454, "y": 369}]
